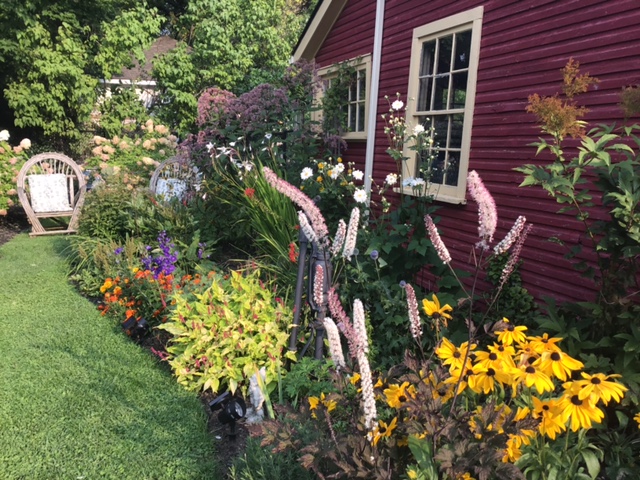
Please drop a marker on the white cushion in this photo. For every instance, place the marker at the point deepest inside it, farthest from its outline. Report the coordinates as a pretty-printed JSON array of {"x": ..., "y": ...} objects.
[
  {"x": 169, "y": 188},
  {"x": 49, "y": 193}
]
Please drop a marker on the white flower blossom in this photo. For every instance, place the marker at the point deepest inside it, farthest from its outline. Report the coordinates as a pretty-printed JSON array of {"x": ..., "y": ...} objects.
[
  {"x": 25, "y": 143},
  {"x": 391, "y": 179},
  {"x": 397, "y": 105},
  {"x": 418, "y": 129},
  {"x": 360, "y": 195},
  {"x": 413, "y": 182},
  {"x": 267, "y": 136},
  {"x": 209, "y": 146},
  {"x": 339, "y": 168},
  {"x": 335, "y": 347},
  {"x": 357, "y": 174},
  {"x": 306, "y": 173},
  {"x": 4, "y": 136}
]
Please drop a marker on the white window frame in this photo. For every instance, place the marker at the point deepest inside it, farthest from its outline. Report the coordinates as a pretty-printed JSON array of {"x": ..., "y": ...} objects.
[
  {"x": 361, "y": 64},
  {"x": 471, "y": 19}
]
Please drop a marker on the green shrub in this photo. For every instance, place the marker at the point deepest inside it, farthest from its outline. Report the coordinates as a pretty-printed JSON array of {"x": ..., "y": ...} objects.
[
  {"x": 11, "y": 160},
  {"x": 225, "y": 334},
  {"x": 259, "y": 463}
]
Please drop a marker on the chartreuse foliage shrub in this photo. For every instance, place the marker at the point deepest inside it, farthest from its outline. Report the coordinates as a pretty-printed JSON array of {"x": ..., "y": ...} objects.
[{"x": 224, "y": 333}]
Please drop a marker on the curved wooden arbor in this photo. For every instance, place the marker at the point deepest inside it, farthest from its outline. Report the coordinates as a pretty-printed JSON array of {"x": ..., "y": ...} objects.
[
  {"x": 51, "y": 186},
  {"x": 175, "y": 178}
]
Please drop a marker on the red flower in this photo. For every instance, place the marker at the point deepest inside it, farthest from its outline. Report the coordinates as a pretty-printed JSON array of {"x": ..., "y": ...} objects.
[
  {"x": 249, "y": 192},
  {"x": 293, "y": 252}
]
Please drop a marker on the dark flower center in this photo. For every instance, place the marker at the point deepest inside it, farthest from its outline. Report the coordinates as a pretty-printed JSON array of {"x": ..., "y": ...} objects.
[
  {"x": 402, "y": 398},
  {"x": 382, "y": 430},
  {"x": 456, "y": 355},
  {"x": 493, "y": 356},
  {"x": 576, "y": 400},
  {"x": 511, "y": 328},
  {"x": 501, "y": 348},
  {"x": 491, "y": 372},
  {"x": 555, "y": 356},
  {"x": 530, "y": 360},
  {"x": 545, "y": 407},
  {"x": 596, "y": 381},
  {"x": 530, "y": 369}
]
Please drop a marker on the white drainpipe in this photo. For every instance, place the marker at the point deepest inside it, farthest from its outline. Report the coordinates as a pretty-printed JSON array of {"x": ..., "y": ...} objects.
[{"x": 373, "y": 95}]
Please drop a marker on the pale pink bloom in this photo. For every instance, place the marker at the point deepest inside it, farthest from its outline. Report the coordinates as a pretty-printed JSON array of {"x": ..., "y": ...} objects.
[
  {"x": 318, "y": 285},
  {"x": 25, "y": 143},
  {"x": 414, "y": 314},
  {"x": 515, "y": 255},
  {"x": 343, "y": 320},
  {"x": 311, "y": 209},
  {"x": 108, "y": 149},
  {"x": 335, "y": 347},
  {"x": 17, "y": 149},
  {"x": 123, "y": 145},
  {"x": 352, "y": 234},
  {"x": 13, "y": 160},
  {"x": 437, "y": 242},
  {"x": 115, "y": 140},
  {"x": 338, "y": 240},
  {"x": 13, "y": 191},
  {"x": 360, "y": 326},
  {"x": 368, "y": 397},
  {"x": 487, "y": 213},
  {"x": 161, "y": 129},
  {"x": 511, "y": 237},
  {"x": 306, "y": 228},
  {"x": 148, "y": 145}
]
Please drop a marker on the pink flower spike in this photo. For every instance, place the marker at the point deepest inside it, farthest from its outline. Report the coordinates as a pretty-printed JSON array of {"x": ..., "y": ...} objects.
[
  {"x": 487, "y": 213},
  {"x": 414, "y": 313},
  {"x": 437, "y": 242}
]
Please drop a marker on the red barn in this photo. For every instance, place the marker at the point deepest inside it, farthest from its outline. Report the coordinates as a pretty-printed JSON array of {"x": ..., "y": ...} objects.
[{"x": 469, "y": 66}]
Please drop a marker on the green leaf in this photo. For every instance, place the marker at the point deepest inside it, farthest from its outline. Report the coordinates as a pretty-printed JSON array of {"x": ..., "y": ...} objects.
[{"x": 593, "y": 465}]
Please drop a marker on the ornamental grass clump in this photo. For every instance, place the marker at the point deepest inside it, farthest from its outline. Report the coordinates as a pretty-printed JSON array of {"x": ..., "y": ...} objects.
[{"x": 225, "y": 332}]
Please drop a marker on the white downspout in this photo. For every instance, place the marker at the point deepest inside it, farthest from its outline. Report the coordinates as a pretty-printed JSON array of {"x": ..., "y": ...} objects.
[{"x": 373, "y": 95}]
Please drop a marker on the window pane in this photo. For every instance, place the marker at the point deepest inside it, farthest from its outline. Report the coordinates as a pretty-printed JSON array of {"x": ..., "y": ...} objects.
[
  {"x": 360, "y": 117},
  {"x": 441, "y": 125},
  {"x": 455, "y": 138},
  {"x": 459, "y": 94},
  {"x": 426, "y": 61},
  {"x": 444, "y": 54},
  {"x": 437, "y": 172},
  {"x": 463, "y": 50},
  {"x": 352, "y": 117},
  {"x": 441, "y": 98},
  {"x": 453, "y": 167},
  {"x": 424, "y": 94},
  {"x": 361, "y": 85}
]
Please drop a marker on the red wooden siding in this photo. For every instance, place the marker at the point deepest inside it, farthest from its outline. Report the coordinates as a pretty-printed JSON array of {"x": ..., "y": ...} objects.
[{"x": 524, "y": 45}]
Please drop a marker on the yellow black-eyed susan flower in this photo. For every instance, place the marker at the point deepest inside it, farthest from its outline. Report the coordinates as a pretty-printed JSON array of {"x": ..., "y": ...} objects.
[
  {"x": 435, "y": 310},
  {"x": 533, "y": 377},
  {"x": 511, "y": 334},
  {"x": 397, "y": 395},
  {"x": 598, "y": 387},
  {"x": 452, "y": 355},
  {"x": 383, "y": 430},
  {"x": 550, "y": 416},
  {"x": 558, "y": 364},
  {"x": 637, "y": 419},
  {"x": 483, "y": 379},
  {"x": 544, "y": 343},
  {"x": 580, "y": 413}
]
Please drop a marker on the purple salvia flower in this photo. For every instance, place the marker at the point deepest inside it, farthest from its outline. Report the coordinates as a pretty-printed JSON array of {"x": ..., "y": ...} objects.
[
  {"x": 343, "y": 320},
  {"x": 335, "y": 347},
  {"x": 511, "y": 237},
  {"x": 300, "y": 199},
  {"x": 352, "y": 234},
  {"x": 306, "y": 227},
  {"x": 515, "y": 255},
  {"x": 318, "y": 286},
  {"x": 415, "y": 324},
  {"x": 338, "y": 240},
  {"x": 487, "y": 214},
  {"x": 437, "y": 242}
]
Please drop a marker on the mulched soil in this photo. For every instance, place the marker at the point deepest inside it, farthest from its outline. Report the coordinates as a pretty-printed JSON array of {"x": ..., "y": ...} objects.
[{"x": 227, "y": 448}]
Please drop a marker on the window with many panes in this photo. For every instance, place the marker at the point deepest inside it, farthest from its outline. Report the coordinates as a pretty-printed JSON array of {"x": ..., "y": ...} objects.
[
  {"x": 356, "y": 94},
  {"x": 444, "y": 62}
]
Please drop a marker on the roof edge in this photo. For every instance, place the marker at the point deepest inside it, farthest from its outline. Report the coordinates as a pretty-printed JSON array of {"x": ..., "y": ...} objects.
[{"x": 318, "y": 27}]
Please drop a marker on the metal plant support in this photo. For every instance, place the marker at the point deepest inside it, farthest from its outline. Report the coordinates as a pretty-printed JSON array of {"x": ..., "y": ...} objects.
[{"x": 306, "y": 259}]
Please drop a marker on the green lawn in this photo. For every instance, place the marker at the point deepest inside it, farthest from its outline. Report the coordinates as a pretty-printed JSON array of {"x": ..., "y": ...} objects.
[{"x": 79, "y": 400}]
